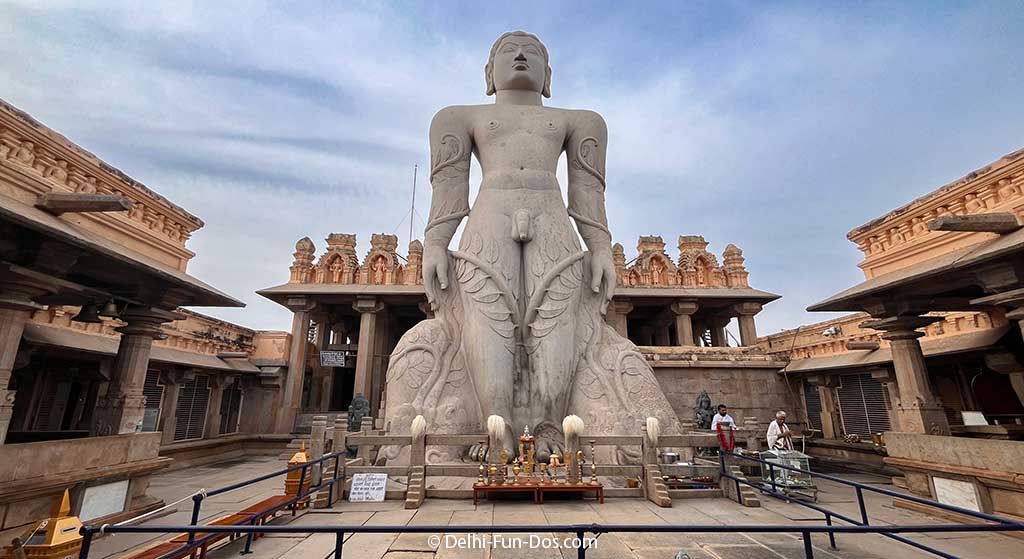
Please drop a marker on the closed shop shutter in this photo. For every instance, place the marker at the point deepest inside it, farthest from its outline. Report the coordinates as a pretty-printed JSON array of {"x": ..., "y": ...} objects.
[
  {"x": 813, "y": 402},
  {"x": 193, "y": 397},
  {"x": 230, "y": 407},
  {"x": 863, "y": 404},
  {"x": 154, "y": 393}
]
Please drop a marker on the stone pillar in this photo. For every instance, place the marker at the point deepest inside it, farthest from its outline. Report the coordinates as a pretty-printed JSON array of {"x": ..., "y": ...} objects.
[
  {"x": 16, "y": 307},
  {"x": 618, "y": 311},
  {"x": 368, "y": 309},
  {"x": 661, "y": 335},
  {"x": 12, "y": 324},
  {"x": 919, "y": 409},
  {"x": 831, "y": 422},
  {"x": 121, "y": 409},
  {"x": 292, "y": 397},
  {"x": 217, "y": 383},
  {"x": 316, "y": 385},
  {"x": 888, "y": 380},
  {"x": 684, "y": 321},
  {"x": 748, "y": 329},
  {"x": 317, "y": 435},
  {"x": 169, "y": 407},
  {"x": 718, "y": 336}
]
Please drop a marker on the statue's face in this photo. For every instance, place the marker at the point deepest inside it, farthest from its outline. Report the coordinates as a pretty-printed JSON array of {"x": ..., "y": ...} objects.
[{"x": 519, "y": 64}]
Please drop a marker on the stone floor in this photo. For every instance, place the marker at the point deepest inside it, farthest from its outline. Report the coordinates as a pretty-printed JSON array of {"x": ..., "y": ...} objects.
[{"x": 175, "y": 485}]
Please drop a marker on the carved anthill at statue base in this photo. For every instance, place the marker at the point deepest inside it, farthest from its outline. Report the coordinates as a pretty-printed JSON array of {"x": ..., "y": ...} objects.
[{"x": 518, "y": 329}]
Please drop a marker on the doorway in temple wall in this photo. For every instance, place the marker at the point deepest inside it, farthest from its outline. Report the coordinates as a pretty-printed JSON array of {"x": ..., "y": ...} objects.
[{"x": 341, "y": 388}]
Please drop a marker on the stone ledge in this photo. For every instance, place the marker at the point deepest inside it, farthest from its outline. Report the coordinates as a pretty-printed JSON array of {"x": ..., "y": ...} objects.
[{"x": 33, "y": 486}]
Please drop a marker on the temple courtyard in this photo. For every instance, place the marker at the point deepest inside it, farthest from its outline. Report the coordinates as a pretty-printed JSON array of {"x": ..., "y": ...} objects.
[{"x": 180, "y": 484}]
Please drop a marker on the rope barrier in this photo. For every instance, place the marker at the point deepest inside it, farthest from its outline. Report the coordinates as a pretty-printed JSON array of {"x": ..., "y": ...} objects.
[{"x": 154, "y": 511}]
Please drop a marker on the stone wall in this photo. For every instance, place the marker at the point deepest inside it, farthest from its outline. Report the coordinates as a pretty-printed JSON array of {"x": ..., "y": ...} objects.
[
  {"x": 989, "y": 472},
  {"x": 748, "y": 391},
  {"x": 34, "y": 475}
]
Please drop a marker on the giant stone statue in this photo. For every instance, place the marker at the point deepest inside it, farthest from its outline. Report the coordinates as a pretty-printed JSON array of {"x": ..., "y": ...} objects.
[{"x": 518, "y": 328}]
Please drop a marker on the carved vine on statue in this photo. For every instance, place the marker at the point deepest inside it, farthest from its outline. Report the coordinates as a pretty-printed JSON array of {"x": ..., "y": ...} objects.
[{"x": 518, "y": 330}]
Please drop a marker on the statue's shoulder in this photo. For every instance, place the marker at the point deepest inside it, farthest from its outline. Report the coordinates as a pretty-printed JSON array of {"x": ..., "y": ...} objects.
[
  {"x": 454, "y": 114},
  {"x": 585, "y": 119}
]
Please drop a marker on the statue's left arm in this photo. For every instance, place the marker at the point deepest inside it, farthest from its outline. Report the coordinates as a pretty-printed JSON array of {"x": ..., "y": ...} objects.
[{"x": 586, "y": 149}]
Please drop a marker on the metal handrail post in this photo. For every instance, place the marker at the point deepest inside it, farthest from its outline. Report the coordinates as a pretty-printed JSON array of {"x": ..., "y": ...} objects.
[
  {"x": 298, "y": 491},
  {"x": 87, "y": 533},
  {"x": 808, "y": 549},
  {"x": 831, "y": 535},
  {"x": 863, "y": 509},
  {"x": 197, "y": 501},
  {"x": 581, "y": 550},
  {"x": 339, "y": 541},
  {"x": 248, "y": 539}
]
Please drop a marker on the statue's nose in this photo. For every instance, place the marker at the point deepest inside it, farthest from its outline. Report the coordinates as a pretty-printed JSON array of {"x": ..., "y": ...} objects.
[{"x": 521, "y": 56}]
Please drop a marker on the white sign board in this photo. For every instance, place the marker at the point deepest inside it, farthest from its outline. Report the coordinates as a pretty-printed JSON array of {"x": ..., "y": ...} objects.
[
  {"x": 367, "y": 487},
  {"x": 956, "y": 492},
  {"x": 103, "y": 500},
  {"x": 332, "y": 358}
]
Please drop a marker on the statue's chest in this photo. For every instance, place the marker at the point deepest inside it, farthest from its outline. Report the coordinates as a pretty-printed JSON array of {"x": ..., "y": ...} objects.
[{"x": 499, "y": 130}]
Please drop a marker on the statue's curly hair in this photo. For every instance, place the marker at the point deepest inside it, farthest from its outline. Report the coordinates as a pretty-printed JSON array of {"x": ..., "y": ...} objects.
[{"x": 546, "y": 92}]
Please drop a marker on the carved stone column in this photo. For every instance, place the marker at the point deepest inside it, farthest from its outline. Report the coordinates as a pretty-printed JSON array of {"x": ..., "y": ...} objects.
[
  {"x": 618, "y": 311},
  {"x": 888, "y": 380},
  {"x": 684, "y": 321},
  {"x": 368, "y": 309},
  {"x": 748, "y": 329},
  {"x": 121, "y": 409},
  {"x": 292, "y": 397},
  {"x": 919, "y": 409},
  {"x": 16, "y": 307},
  {"x": 316, "y": 385}
]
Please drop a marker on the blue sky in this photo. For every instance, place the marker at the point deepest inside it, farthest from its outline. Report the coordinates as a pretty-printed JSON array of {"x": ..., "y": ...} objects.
[{"x": 776, "y": 126}]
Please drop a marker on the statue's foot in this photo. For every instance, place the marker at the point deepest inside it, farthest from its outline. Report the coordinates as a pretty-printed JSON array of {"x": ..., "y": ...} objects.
[
  {"x": 549, "y": 442},
  {"x": 507, "y": 446}
]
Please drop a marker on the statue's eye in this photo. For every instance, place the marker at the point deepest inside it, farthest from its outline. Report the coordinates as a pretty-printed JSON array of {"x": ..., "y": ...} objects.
[{"x": 531, "y": 50}]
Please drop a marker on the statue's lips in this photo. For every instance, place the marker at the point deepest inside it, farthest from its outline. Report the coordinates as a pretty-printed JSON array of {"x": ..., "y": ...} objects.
[{"x": 521, "y": 66}]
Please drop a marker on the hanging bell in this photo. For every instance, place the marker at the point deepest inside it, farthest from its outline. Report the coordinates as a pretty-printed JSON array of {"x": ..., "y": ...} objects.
[
  {"x": 109, "y": 310},
  {"x": 89, "y": 314}
]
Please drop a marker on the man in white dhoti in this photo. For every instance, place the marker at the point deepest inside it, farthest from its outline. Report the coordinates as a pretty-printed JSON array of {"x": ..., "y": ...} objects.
[{"x": 779, "y": 435}]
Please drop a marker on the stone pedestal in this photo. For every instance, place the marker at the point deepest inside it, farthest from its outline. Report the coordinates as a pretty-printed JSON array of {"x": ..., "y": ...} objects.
[
  {"x": 121, "y": 409},
  {"x": 684, "y": 321},
  {"x": 919, "y": 409}
]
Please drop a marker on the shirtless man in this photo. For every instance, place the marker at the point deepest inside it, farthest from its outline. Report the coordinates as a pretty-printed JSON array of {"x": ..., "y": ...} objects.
[{"x": 519, "y": 263}]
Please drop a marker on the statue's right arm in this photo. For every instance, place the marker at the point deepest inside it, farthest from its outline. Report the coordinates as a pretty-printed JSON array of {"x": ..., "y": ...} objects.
[{"x": 450, "y": 152}]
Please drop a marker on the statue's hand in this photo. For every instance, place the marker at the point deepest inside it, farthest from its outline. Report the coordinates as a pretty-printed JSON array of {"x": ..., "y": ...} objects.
[
  {"x": 602, "y": 274},
  {"x": 435, "y": 267}
]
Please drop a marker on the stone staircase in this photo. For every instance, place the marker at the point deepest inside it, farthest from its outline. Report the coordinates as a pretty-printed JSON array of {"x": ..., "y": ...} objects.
[{"x": 298, "y": 439}]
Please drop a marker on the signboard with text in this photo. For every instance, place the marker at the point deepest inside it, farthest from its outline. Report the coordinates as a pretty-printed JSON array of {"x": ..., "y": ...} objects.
[
  {"x": 367, "y": 488},
  {"x": 332, "y": 358}
]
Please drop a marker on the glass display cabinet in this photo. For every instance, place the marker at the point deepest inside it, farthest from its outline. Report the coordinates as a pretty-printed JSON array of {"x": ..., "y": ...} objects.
[{"x": 791, "y": 483}]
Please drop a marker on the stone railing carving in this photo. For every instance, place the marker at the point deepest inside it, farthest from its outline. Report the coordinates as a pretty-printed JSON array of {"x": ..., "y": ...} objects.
[
  {"x": 339, "y": 263},
  {"x": 811, "y": 341},
  {"x": 30, "y": 147},
  {"x": 696, "y": 267},
  {"x": 995, "y": 187}
]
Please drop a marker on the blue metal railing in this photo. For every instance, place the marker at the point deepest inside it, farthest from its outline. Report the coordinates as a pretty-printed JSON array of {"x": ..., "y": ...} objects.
[
  {"x": 771, "y": 488},
  {"x": 193, "y": 544}
]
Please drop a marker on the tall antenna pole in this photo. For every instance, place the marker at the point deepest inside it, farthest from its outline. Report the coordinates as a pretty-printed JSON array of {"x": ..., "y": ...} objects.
[{"x": 412, "y": 212}]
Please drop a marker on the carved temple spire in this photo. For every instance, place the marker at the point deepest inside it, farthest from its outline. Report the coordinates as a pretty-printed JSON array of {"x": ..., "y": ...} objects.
[{"x": 302, "y": 265}]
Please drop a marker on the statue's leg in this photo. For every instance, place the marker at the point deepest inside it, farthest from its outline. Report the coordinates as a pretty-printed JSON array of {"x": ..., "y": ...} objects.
[
  {"x": 553, "y": 278},
  {"x": 487, "y": 269}
]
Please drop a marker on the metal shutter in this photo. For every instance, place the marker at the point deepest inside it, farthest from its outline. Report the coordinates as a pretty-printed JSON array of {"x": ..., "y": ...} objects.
[
  {"x": 863, "y": 404},
  {"x": 193, "y": 397},
  {"x": 154, "y": 393},
  {"x": 230, "y": 407},
  {"x": 812, "y": 399}
]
